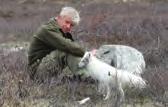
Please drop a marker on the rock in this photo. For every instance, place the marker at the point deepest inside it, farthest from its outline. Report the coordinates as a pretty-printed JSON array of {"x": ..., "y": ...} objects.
[{"x": 122, "y": 57}]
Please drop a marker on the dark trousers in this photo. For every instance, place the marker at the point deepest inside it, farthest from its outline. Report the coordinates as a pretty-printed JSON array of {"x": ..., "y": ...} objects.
[{"x": 52, "y": 65}]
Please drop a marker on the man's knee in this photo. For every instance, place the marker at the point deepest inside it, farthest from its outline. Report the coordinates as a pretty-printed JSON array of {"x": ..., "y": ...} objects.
[
  {"x": 72, "y": 63},
  {"x": 49, "y": 66}
]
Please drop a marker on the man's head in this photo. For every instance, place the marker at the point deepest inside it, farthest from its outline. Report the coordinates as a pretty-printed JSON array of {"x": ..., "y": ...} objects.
[{"x": 68, "y": 18}]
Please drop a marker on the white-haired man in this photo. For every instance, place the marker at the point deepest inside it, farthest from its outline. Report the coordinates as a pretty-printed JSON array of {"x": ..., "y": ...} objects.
[{"x": 53, "y": 42}]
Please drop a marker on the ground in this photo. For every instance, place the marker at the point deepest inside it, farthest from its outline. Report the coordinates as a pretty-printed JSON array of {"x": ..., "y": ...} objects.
[{"x": 142, "y": 25}]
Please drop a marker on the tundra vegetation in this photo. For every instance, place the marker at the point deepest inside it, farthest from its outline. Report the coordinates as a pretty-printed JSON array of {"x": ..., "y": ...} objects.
[{"x": 142, "y": 24}]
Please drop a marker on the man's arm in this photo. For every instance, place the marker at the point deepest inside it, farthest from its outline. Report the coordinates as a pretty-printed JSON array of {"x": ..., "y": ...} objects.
[{"x": 55, "y": 39}]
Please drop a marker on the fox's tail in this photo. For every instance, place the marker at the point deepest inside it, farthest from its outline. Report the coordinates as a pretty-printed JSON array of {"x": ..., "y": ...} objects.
[{"x": 137, "y": 81}]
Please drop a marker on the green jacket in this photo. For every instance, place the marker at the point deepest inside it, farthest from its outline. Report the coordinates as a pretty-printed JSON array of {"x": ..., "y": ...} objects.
[{"x": 50, "y": 37}]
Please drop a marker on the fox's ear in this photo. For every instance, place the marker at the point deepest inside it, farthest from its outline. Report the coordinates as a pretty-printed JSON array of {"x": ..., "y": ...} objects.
[{"x": 89, "y": 54}]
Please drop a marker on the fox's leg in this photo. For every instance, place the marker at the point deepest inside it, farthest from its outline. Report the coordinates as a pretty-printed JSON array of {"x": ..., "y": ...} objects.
[
  {"x": 108, "y": 90},
  {"x": 121, "y": 92},
  {"x": 102, "y": 87},
  {"x": 120, "y": 96}
]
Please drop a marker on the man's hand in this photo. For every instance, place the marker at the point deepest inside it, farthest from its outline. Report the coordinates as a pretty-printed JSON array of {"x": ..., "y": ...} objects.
[{"x": 94, "y": 52}]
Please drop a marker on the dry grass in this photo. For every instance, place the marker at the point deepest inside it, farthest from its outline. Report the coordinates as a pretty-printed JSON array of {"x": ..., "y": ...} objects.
[{"x": 140, "y": 25}]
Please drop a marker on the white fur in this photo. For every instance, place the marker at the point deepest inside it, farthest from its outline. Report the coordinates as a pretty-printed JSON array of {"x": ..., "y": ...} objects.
[{"x": 109, "y": 76}]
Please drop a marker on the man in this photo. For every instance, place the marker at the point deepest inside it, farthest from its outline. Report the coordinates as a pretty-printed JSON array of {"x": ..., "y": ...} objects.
[{"x": 53, "y": 42}]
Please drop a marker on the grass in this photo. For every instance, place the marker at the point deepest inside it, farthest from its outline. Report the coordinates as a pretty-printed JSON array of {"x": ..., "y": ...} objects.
[{"x": 140, "y": 25}]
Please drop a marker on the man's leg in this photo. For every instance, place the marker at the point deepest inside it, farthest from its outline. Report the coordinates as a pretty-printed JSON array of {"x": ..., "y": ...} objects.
[
  {"x": 72, "y": 63},
  {"x": 50, "y": 66}
]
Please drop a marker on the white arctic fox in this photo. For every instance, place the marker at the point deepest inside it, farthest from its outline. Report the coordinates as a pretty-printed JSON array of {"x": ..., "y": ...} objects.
[{"x": 109, "y": 77}]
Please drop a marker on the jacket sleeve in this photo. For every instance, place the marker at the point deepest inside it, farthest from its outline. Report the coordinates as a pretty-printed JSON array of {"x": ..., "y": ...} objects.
[{"x": 55, "y": 39}]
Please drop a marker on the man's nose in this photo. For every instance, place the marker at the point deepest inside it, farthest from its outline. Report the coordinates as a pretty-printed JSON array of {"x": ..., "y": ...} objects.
[{"x": 69, "y": 26}]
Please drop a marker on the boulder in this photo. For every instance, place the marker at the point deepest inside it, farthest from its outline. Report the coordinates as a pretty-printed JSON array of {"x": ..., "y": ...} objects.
[{"x": 122, "y": 57}]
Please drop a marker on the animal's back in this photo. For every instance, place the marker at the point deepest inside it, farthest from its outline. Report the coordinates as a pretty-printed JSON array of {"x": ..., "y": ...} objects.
[{"x": 100, "y": 70}]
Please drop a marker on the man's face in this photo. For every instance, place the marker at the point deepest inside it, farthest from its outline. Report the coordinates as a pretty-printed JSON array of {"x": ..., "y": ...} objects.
[{"x": 66, "y": 24}]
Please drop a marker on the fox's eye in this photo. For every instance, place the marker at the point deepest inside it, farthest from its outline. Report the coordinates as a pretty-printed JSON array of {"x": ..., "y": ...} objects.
[
  {"x": 109, "y": 74},
  {"x": 85, "y": 61}
]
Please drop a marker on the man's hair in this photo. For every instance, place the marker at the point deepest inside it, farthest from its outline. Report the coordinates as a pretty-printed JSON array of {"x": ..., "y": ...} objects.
[{"x": 72, "y": 13}]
